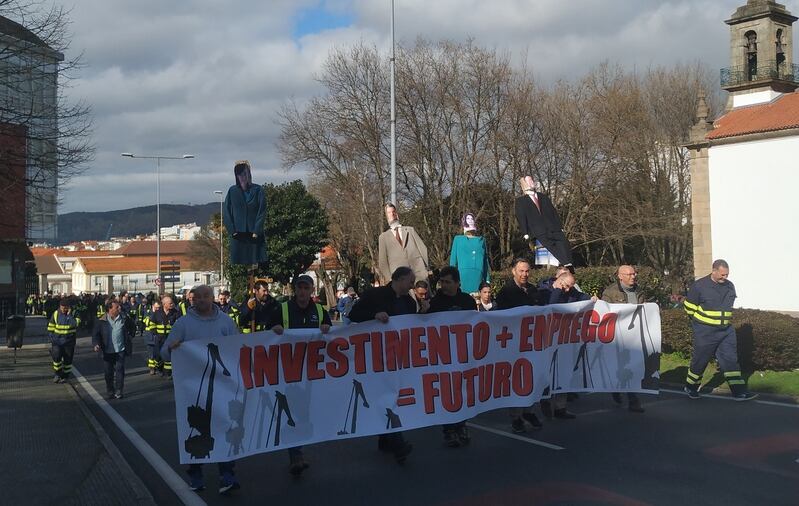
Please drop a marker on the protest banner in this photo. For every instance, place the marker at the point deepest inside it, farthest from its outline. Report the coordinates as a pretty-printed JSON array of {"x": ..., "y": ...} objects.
[{"x": 252, "y": 393}]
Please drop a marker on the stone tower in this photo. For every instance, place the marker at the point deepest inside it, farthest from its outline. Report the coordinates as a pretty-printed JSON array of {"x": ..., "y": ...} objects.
[{"x": 761, "y": 54}]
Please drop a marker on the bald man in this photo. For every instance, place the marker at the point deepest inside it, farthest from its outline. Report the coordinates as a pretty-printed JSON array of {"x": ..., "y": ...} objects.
[{"x": 625, "y": 291}]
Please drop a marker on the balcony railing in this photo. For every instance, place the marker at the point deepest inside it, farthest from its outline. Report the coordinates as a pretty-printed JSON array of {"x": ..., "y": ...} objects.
[{"x": 736, "y": 76}]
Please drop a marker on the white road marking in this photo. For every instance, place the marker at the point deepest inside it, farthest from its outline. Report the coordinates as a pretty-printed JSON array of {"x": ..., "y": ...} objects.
[
  {"x": 515, "y": 436},
  {"x": 164, "y": 470},
  {"x": 728, "y": 398}
]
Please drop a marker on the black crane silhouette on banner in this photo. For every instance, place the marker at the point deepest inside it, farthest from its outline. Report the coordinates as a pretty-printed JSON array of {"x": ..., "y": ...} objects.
[
  {"x": 553, "y": 371},
  {"x": 281, "y": 406},
  {"x": 651, "y": 379},
  {"x": 200, "y": 446},
  {"x": 393, "y": 421},
  {"x": 357, "y": 393},
  {"x": 582, "y": 360}
]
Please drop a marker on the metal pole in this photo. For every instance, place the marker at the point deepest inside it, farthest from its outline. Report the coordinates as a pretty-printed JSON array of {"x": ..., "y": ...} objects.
[
  {"x": 158, "y": 223},
  {"x": 393, "y": 119},
  {"x": 221, "y": 249}
]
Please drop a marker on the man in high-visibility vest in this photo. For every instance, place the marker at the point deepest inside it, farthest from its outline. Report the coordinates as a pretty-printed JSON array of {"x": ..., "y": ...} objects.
[
  {"x": 228, "y": 307},
  {"x": 187, "y": 302},
  {"x": 259, "y": 308},
  {"x": 709, "y": 304},
  {"x": 300, "y": 312},
  {"x": 161, "y": 323},
  {"x": 62, "y": 329}
]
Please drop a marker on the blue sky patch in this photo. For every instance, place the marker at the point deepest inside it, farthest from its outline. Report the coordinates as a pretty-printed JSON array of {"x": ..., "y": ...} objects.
[{"x": 318, "y": 18}]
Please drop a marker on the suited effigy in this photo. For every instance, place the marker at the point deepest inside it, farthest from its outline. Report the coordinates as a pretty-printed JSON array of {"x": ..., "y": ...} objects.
[
  {"x": 468, "y": 255},
  {"x": 400, "y": 246},
  {"x": 538, "y": 220},
  {"x": 244, "y": 215}
]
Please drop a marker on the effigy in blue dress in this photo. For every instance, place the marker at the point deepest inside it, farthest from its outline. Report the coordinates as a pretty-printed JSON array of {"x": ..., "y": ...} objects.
[{"x": 244, "y": 215}]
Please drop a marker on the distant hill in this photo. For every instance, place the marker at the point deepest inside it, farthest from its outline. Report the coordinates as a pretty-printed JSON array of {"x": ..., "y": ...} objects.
[{"x": 129, "y": 222}]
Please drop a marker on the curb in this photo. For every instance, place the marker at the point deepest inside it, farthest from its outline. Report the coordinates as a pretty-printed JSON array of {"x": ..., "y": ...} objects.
[{"x": 142, "y": 495}]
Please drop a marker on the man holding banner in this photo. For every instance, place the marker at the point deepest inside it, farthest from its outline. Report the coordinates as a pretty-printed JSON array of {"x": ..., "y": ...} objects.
[
  {"x": 299, "y": 313},
  {"x": 379, "y": 304},
  {"x": 203, "y": 320},
  {"x": 519, "y": 292},
  {"x": 451, "y": 298}
]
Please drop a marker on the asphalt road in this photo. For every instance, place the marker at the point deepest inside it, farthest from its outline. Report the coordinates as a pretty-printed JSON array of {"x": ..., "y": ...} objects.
[{"x": 706, "y": 452}]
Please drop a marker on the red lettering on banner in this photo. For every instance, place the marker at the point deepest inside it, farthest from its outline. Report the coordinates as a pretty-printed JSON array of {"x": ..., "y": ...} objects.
[
  {"x": 377, "y": 351},
  {"x": 438, "y": 345},
  {"x": 486, "y": 377},
  {"x": 291, "y": 359},
  {"x": 525, "y": 333},
  {"x": 430, "y": 392},
  {"x": 245, "y": 366},
  {"x": 522, "y": 377},
  {"x": 542, "y": 339},
  {"x": 480, "y": 336},
  {"x": 265, "y": 365},
  {"x": 468, "y": 379},
  {"x": 358, "y": 341},
  {"x": 340, "y": 365},
  {"x": 417, "y": 347},
  {"x": 313, "y": 359},
  {"x": 607, "y": 328},
  {"x": 554, "y": 325},
  {"x": 452, "y": 393},
  {"x": 461, "y": 330},
  {"x": 588, "y": 332},
  {"x": 574, "y": 332},
  {"x": 397, "y": 350},
  {"x": 502, "y": 372},
  {"x": 565, "y": 324}
]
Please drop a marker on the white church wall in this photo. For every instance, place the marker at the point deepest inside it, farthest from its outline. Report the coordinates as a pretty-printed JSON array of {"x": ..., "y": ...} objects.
[{"x": 754, "y": 210}]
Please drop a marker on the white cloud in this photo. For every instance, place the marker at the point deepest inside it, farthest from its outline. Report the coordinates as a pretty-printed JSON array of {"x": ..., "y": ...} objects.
[{"x": 208, "y": 77}]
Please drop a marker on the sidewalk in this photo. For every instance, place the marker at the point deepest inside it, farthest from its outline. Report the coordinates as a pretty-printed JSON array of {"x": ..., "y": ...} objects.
[{"x": 50, "y": 451}]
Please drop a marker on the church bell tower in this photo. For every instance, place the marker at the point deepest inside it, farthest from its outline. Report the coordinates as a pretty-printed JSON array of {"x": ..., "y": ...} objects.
[{"x": 761, "y": 54}]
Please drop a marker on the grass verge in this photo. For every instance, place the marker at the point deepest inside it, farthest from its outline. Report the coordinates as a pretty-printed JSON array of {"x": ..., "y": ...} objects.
[{"x": 673, "y": 369}]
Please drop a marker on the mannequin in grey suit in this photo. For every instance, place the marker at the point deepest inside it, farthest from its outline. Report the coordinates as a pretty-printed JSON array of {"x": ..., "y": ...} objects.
[{"x": 400, "y": 246}]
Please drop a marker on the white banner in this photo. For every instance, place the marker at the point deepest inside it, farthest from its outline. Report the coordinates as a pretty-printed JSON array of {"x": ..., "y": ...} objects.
[{"x": 252, "y": 393}]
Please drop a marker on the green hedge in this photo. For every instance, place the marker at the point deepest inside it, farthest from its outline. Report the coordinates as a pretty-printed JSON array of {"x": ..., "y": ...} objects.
[
  {"x": 766, "y": 340},
  {"x": 593, "y": 280}
]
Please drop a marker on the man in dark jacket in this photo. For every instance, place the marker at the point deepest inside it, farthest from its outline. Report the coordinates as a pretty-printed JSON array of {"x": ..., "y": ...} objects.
[
  {"x": 625, "y": 291},
  {"x": 112, "y": 336},
  {"x": 518, "y": 292},
  {"x": 560, "y": 291},
  {"x": 450, "y": 298},
  {"x": 259, "y": 309},
  {"x": 380, "y": 303}
]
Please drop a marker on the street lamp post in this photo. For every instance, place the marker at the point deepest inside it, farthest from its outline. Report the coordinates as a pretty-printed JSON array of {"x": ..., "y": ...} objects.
[
  {"x": 393, "y": 119},
  {"x": 158, "y": 159},
  {"x": 221, "y": 245}
]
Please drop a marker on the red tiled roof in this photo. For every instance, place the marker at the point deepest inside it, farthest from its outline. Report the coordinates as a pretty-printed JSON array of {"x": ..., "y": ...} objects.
[
  {"x": 134, "y": 264},
  {"x": 780, "y": 114},
  {"x": 149, "y": 247},
  {"x": 65, "y": 253}
]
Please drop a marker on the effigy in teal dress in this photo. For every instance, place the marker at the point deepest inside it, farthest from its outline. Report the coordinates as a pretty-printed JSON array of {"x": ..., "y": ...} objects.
[{"x": 468, "y": 254}]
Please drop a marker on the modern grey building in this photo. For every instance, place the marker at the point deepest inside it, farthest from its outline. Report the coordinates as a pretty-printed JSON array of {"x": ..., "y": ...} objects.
[{"x": 29, "y": 103}]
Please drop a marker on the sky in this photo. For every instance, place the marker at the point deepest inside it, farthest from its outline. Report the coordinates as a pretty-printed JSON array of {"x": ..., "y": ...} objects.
[{"x": 207, "y": 77}]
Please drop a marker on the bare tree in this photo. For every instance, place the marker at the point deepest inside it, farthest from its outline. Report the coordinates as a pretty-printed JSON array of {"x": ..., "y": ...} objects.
[{"x": 606, "y": 148}]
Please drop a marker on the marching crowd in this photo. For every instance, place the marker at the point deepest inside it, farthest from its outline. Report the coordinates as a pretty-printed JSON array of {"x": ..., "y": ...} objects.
[{"x": 165, "y": 323}]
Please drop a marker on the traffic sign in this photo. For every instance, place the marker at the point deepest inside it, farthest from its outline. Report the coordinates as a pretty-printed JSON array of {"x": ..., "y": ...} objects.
[{"x": 157, "y": 281}]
